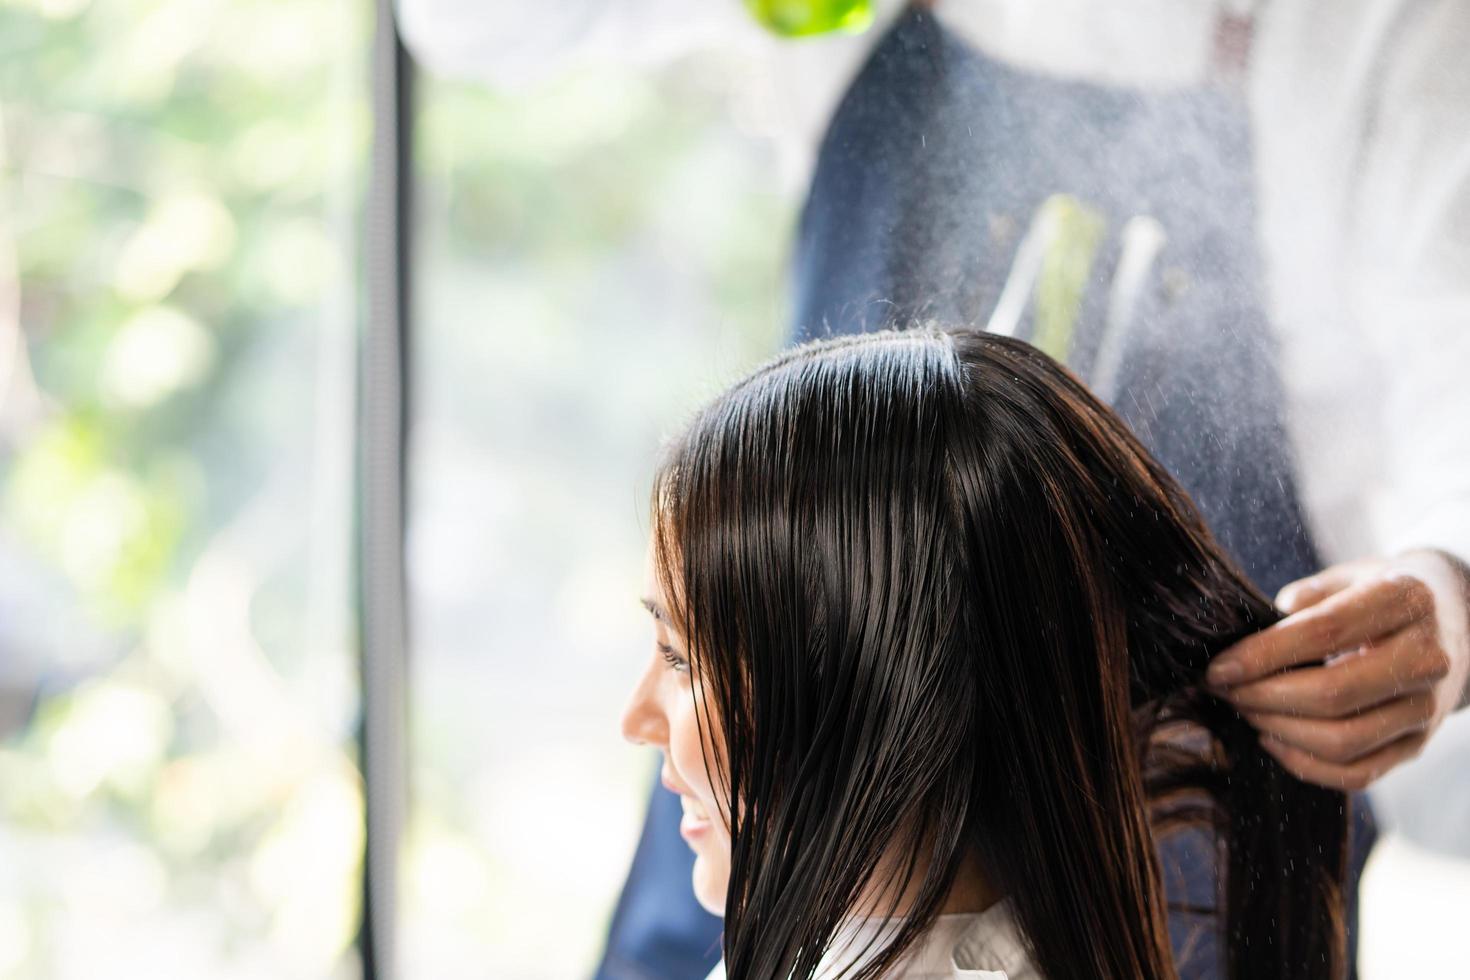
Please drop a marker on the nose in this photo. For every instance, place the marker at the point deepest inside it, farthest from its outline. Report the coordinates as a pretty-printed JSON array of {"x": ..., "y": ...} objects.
[{"x": 644, "y": 721}]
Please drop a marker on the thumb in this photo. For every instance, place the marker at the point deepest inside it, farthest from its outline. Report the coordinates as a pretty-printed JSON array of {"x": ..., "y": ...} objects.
[{"x": 1304, "y": 592}]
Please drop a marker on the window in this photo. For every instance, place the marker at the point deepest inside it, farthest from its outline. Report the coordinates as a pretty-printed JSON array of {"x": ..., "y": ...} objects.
[{"x": 578, "y": 290}]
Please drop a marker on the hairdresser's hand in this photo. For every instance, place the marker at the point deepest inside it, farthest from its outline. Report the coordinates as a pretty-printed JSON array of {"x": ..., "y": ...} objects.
[{"x": 1372, "y": 657}]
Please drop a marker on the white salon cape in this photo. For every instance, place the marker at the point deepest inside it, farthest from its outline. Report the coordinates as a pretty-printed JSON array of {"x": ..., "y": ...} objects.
[
  {"x": 982, "y": 946},
  {"x": 1360, "y": 114}
]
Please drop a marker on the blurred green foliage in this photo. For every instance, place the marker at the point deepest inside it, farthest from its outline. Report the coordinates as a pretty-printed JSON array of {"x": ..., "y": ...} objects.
[
  {"x": 166, "y": 167},
  {"x": 179, "y": 183}
]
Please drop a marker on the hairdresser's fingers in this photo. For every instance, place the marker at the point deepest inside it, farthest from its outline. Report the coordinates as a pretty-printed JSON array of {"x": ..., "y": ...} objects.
[
  {"x": 1358, "y": 774},
  {"x": 1356, "y": 615},
  {"x": 1305, "y": 592},
  {"x": 1407, "y": 662},
  {"x": 1349, "y": 739}
]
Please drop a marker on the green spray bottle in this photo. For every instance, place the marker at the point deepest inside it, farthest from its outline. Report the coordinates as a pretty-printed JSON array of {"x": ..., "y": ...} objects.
[{"x": 805, "y": 18}]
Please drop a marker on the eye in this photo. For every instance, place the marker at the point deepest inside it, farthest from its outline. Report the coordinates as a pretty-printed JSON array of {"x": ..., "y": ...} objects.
[{"x": 671, "y": 658}]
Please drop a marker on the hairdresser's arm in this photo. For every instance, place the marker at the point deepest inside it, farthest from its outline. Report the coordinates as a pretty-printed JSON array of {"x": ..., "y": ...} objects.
[{"x": 1395, "y": 627}]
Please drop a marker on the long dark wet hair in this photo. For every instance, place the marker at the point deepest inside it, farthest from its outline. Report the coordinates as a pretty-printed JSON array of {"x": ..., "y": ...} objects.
[{"x": 943, "y": 603}]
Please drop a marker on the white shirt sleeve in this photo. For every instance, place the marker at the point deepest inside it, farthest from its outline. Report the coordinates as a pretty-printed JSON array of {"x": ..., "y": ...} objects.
[
  {"x": 516, "y": 43},
  {"x": 1409, "y": 258},
  {"x": 1138, "y": 43},
  {"x": 1361, "y": 113}
]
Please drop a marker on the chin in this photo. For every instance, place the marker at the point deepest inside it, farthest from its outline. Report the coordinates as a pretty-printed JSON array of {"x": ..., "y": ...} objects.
[{"x": 710, "y": 886}]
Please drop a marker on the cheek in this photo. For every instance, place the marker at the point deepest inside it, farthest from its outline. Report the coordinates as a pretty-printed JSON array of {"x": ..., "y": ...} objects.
[
  {"x": 684, "y": 746},
  {"x": 711, "y": 876},
  {"x": 688, "y": 755}
]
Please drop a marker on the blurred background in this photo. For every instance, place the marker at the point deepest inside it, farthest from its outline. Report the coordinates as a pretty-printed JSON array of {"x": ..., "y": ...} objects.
[
  {"x": 180, "y": 185},
  {"x": 181, "y": 193}
]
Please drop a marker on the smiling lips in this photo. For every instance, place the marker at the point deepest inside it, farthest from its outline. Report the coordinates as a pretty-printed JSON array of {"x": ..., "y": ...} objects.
[{"x": 696, "y": 821}]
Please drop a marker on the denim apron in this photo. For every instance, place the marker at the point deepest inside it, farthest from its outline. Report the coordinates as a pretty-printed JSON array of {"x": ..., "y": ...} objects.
[{"x": 1113, "y": 228}]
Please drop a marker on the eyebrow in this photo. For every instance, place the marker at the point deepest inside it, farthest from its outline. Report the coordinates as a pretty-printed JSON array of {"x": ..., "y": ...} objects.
[{"x": 655, "y": 609}]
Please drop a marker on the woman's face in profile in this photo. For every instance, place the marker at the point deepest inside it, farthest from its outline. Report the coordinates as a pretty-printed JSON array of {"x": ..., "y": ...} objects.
[{"x": 661, "y": 712}]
